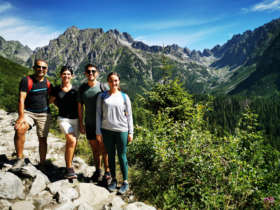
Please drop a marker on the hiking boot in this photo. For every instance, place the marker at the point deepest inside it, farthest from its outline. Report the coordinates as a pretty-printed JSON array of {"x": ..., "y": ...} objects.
[
  {"x": 18, "y": 164},
  {"x": 113, "y": 185},
  {"x": 124, "y": 188},
  {"x": 107, "y": 178},
  {"x": 70, "y": 174},
  {"x": 97, "y": 176}
]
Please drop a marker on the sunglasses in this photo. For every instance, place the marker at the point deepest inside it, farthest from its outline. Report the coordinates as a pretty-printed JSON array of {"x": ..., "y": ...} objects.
[
  {"x": 90, "y": 71},
  {"x": 39, "y": 67}
]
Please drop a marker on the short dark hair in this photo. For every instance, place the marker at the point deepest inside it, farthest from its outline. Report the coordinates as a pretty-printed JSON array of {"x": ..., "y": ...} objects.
[
  {"x": 37, "y": 60},
  {"x": 91, "y": 65},
  {"x": 66, "y": 68}
]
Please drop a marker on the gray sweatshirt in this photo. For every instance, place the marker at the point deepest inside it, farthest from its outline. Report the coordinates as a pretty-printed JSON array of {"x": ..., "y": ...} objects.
[{"x": 113, "y": 113}]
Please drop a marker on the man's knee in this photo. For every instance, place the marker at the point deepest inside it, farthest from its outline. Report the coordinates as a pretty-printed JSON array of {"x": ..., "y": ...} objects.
[{"x": 21, "y": 130}]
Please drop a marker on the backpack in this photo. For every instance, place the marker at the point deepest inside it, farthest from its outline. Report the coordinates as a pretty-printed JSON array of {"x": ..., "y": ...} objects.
[{"x": 30, "y": 84}]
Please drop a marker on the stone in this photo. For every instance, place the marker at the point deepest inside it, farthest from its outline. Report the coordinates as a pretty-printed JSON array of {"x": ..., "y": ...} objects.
[
  {"x": 67, "y": 194},
  {"x": 11, "y": 186},
  {"x": 39, "y": 184},
  {"x": 42, "y": 199},
  {"x": 29, "y": 171},
  {"x": 20, "y": 205},
  {"x": 58, "y": 185},
  {"x": 138, "y": 206},
  {"x": 115, "y": 204},
  {"x": 85, "y": 206},
  {"x": 5, "y": 205},
  {"x": 91, "y": 194},
  {"x": 64, "y": 206}
]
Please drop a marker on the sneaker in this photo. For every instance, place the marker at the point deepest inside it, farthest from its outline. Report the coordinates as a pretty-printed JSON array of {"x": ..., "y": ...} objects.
[
  {"x": 97, "y": 176},
  {"x": 107, "y": 178},
  {"x": 70, "y": 174},
  {"x": 18, "y": 164},
  {"x": 113, "y": 185},
  {"x": 124, "y": 188}
]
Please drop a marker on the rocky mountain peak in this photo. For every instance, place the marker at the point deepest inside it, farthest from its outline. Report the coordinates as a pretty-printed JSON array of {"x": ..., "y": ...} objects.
[
  {"x": 187, "y": 51},
  {"x": 207, "y": 53},
  {"x": 114, "y": 31},
  {"x": 140, "y": 45},
  {"x": 14, "y": 50},
  {"x": 126, "y": 36},
  {"x": 72, "y": 29}
]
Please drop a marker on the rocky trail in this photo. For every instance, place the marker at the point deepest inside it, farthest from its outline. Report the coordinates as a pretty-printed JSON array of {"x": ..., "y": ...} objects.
[{"x": 30, "y": 188}]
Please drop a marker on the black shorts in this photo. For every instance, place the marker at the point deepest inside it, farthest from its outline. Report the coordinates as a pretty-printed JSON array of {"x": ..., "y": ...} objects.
[{"x": 91, "y": 132}]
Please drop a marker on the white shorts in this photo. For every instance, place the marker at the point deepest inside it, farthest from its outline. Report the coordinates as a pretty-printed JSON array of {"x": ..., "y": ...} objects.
[{"x": 68, "y": 126}]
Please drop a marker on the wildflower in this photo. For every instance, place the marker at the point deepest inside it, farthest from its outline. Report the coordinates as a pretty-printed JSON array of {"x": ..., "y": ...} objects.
[{"x": 268, "y": 201}]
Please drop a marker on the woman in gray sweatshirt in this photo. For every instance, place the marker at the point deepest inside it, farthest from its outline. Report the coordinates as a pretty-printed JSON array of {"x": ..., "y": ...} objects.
[{"x": 114, "y": 126}]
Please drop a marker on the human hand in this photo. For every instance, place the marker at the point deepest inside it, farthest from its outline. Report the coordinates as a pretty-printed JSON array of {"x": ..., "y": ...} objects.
[
  {"x": 99, "y": 138},
  {"x": 19, "y": 123},
  {"x": 129, "y": 138}
]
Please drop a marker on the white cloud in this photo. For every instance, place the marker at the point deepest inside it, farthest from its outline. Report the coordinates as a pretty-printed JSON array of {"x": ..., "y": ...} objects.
[
  {"x": 169, "y": 24},
  {"x": 4, "y": 6},
  {"x": 28, "y": 33},
  {"x": 266, "y": 5}
]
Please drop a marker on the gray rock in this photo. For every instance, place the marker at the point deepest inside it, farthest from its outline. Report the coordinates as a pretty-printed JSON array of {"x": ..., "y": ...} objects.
[
  {"x": 65, "y": 206},
  {"x": 42, "y": 199},
  {"x": 58, "y": 185},
  {"x": 29, "y": 171},
  {"x": 85, "y": 206},
  {"x": 138, "y": 206},
  {"x": 67, "y": 194},
  {"x": 11, "y": 186},
  {"x": 115, "y": 204},
  {"x": 5, "y": 205},
  {"x": 91, "y": 194},
  {"x": 20, "y": 205},
  {"x": 39, "y": 184}
]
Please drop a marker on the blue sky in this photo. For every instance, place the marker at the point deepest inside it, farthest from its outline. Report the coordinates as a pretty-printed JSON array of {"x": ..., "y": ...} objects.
[{"x": 196, "y": 24}]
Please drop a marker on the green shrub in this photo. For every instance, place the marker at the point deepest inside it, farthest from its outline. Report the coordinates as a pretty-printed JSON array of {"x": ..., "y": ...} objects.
[{"x": 179, "y": 164}]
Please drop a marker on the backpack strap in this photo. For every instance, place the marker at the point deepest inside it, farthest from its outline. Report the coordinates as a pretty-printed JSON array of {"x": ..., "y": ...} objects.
[
  {"x": 104, "y": 94},
  {"x": 102, "y": 87},
  {"x": 49, "y": 86},
  {"x": 29, "y": 84},
  {"x": 124, "y": 99}
]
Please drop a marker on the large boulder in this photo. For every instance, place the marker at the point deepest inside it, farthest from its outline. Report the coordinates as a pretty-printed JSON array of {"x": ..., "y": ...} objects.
[{"x": 11, "y": 186}]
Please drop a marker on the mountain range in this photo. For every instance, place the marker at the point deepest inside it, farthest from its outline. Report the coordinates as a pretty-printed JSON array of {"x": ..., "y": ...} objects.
[{"x": 246, "y": 64}]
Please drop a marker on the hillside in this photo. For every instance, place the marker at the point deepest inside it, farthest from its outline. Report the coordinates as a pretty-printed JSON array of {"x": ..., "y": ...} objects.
[
  {"x": 252, "y": 61},
  {"x": 15, "y": 51},
  {"x": 265, "y": 80},
  {"x": 10, "y": 76}
]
